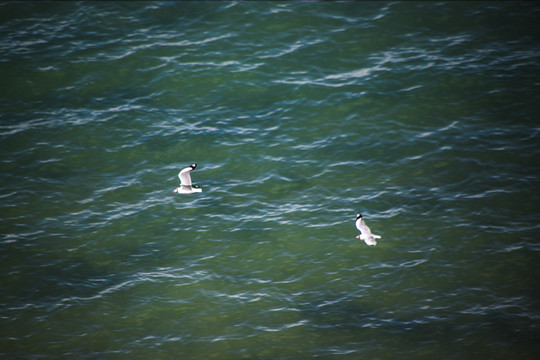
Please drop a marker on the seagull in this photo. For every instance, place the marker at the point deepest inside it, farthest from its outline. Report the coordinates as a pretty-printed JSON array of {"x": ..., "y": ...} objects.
[
  {"x": 185, "y": 181},
  {"x": 365, "y": 233}
]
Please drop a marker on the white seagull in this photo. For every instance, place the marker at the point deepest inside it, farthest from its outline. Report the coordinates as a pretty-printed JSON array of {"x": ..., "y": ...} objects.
[
  {"x": 365, "y": 233},
  {"x": 185, "y": 181}
]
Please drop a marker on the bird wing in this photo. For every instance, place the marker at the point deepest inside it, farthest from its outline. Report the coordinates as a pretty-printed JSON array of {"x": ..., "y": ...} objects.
[
  {"x": 370, "y": 240},
  {"x": 184, "y": 176},
  {"x": 361, "y": 225}
]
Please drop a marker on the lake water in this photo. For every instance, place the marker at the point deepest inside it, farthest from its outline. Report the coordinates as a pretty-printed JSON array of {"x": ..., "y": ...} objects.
[{"x": 423, "y": 116}]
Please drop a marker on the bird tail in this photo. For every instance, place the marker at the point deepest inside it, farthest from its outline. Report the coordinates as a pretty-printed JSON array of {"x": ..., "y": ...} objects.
[{"x": 377, "y": 236}]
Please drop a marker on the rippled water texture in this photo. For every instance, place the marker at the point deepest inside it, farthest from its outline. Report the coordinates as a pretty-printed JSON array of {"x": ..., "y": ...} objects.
[{"x": 421, "y": 115}]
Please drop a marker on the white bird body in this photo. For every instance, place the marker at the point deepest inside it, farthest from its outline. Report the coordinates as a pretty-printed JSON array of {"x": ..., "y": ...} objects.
[
  {"x": 365, "y": 232},
  {"x": 186, "y": 187}
]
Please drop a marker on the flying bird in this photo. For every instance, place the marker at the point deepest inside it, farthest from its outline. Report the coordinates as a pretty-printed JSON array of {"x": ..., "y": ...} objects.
[
  {"x": 365, "y": 232},
  {"x": 186, "y": 187}
]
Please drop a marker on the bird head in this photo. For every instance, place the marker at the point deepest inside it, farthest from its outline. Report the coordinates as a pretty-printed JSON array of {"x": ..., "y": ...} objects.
[{"x": 358, "y": 216}]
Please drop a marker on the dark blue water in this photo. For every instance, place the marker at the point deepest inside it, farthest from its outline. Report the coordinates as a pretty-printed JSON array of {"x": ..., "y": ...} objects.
[{"x": 421, "y": 115}]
